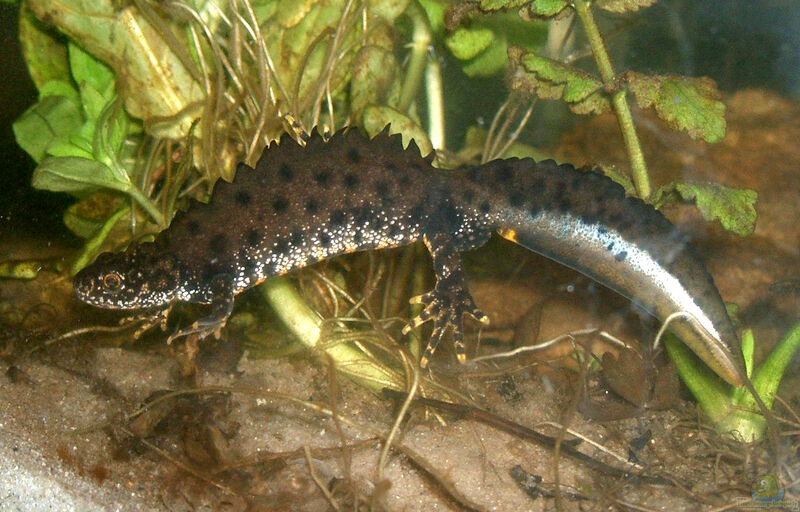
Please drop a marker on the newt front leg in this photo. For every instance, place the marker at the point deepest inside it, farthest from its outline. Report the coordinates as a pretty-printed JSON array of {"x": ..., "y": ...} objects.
[{"x": 222, "y": 293}]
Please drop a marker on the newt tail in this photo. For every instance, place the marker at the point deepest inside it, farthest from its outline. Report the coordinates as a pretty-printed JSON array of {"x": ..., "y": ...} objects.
[{"x": 302, "y": 205}]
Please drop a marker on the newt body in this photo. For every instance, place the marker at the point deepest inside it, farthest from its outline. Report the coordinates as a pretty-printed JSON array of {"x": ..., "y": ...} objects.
[{"x": 302, "y": 205}]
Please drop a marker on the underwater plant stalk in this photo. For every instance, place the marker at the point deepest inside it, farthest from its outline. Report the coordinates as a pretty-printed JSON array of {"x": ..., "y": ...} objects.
[
  {"x": 304, "y": 323},
  {"x": 641, "y": 179},
  {"x": 420, "y": 41}
]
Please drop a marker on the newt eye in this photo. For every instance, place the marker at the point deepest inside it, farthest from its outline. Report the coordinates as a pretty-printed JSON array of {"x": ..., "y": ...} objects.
[{"x": 112, "y": 281}]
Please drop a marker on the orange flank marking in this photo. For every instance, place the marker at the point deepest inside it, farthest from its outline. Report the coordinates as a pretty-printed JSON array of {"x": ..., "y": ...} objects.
[{"x": 508, "y": 234}]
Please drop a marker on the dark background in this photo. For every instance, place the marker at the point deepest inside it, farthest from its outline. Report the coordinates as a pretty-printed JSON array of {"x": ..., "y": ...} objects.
[{"x": 21, "y": 207}]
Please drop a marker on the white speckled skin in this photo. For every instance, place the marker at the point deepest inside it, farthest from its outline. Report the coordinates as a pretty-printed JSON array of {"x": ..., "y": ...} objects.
[{"x": 303, "y": 205}]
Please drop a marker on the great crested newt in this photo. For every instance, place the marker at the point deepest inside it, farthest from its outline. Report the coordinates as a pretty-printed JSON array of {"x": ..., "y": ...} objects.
[{"x": 301, "y": 205}]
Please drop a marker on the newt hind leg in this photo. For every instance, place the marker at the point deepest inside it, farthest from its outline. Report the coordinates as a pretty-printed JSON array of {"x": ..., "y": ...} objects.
[{"x": 448, "y": 302}]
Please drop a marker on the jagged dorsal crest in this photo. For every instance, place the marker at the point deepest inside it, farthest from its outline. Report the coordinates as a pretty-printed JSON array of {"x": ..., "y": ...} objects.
[{"x": 348, "y": 145}]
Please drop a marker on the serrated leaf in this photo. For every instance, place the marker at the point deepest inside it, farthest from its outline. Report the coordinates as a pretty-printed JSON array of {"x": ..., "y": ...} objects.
[
  {"x": 550, "y": 79},
  {"x": 77, "y": 176},
  {"x": 52, "y": 118},
  {"x": 376, "y": 118},
  {"x": 734, "y": 208},
  {"x": 689, "y": 104},
  {"x": 620, "y": 6},
  {"x": 466, "y": 43}
]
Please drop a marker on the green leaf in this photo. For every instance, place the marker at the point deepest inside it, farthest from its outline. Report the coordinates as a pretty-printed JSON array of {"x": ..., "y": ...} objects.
[
  {"x": 550, "y": 79},
  {"x": 707, "y": 388},
  {"x": 766, "y": 379},
  {"x": 546, "y": 8},
  {"x": 389, "y": 10},
  {"x": 620, "y": 6},
  {"x": 483, "y": 44},
  {"x": 77, "y": 176},
  {"x": 375, "y": 79},
  {"x": 376, "y": 119},
  {"x": 92, "y": 246},
  {"x": 734, "y": 208},
  {"x": 689, "y": 104},
  {"x": 93, "y": 101},
  {"x": 495, "y": 5},
  {"x": 768, "y": 376},
  {"x": 45, "y": 51},
  {"x": 748, "y": 351},
  {"x": 620, "y": 178},
  {"x": 52, "y": 118},
  {"x": 435, "y": 11},
  {"x": 59, "y": 88},
  {"x": 110, "y": 132},
  {"x": 89, "y": 72},
  {"x": 466, "y": 43},
  {"x": 74, "y": 146},
  {"x": 86, "y": 217}
]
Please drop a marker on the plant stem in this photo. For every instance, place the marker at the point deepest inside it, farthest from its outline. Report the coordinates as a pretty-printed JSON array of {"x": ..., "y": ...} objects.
[
  {"x": 420, "y": 41},
  {"x": 148, "y": 205},
  {"x": 305, "y": 324},
  {"x": 435, "y": 95},
  {"x": 619, "y": 100}
]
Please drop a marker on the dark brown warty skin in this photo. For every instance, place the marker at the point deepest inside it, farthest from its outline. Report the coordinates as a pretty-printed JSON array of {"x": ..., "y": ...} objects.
[{"x": 301, "y": 205}]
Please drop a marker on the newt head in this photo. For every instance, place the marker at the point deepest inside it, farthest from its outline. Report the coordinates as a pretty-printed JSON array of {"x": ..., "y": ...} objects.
[{"x": 136, "y": 278}]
